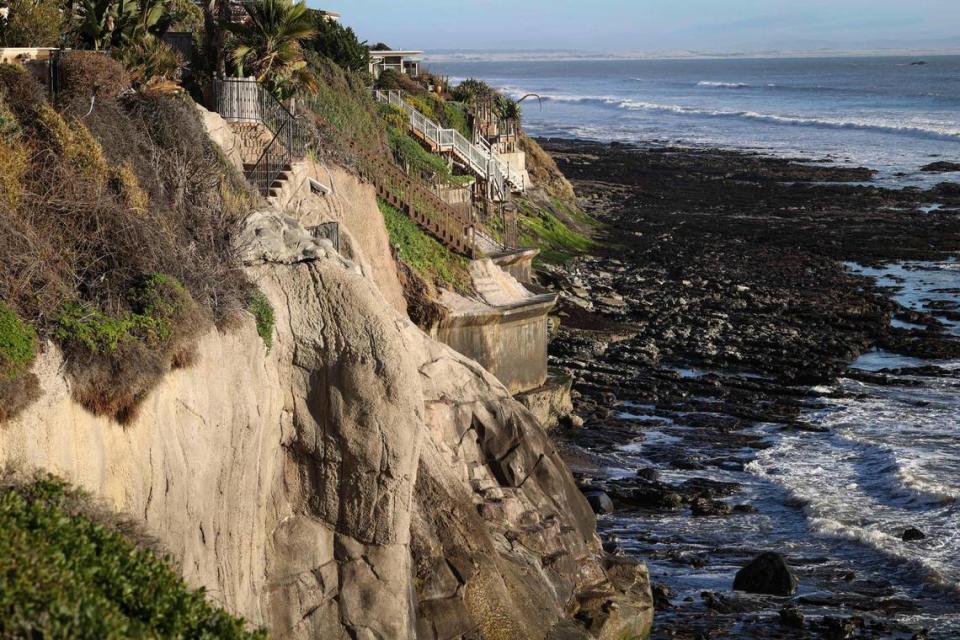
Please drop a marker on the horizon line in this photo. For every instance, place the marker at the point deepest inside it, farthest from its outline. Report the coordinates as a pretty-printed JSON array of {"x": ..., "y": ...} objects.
[{"x": 569, "y": 55}]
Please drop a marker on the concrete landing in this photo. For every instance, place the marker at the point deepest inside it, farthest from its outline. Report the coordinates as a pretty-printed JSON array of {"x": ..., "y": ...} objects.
[{"x": 504, "y": 327}]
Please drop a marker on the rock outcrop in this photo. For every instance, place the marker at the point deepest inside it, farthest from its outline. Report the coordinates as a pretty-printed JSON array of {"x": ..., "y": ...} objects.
[
  {"x": 359, "y": 480},
  {"x": 767, "y": 573}
]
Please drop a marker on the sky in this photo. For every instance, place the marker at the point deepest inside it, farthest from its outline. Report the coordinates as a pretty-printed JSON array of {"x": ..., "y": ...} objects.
[{"x": 620, "y": 26}]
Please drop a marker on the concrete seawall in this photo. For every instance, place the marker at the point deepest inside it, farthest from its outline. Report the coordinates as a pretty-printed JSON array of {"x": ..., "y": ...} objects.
[{"x": 509, "y": 341}]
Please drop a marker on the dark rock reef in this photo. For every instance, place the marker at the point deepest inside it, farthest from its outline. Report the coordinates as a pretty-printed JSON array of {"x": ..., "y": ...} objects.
[{"x": 716, "y": 297}]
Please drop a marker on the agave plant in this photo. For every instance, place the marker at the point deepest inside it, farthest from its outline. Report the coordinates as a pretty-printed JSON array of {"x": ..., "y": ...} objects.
[
  {"x": 152, "y": 63},
  {"x": 112, "y": 23},
  {"x": 268, "y": 45}
]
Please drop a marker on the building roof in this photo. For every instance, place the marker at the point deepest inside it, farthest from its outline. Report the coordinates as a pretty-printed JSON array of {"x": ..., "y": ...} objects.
[{"x": 393, "y": 53}]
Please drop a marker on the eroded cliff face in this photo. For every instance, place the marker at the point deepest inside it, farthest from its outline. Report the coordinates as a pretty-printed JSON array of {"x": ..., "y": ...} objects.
[{"x": 359, "y": 480}]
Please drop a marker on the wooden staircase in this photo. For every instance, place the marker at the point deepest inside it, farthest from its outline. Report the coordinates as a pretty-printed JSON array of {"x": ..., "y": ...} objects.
[
  {"x": 272, "y": 140},
  {"x": 454, "y": 228},
  {"x": 479, "y": 158}
]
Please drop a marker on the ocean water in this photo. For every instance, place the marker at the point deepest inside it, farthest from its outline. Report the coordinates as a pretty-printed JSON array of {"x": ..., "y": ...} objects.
[
  {"x": 884, "y": 113},
  {"x": 884, "y": 458},
  {"x": 888, "y": 456}
]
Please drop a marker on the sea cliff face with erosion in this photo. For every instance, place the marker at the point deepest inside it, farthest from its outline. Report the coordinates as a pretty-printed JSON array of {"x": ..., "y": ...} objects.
[
  {"x": 274, "y": 360},
  {"x": 237, "y": 379}
]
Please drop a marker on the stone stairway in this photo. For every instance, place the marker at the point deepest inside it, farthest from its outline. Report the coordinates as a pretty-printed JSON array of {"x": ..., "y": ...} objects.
[
  {"x": 270, "y": 137},
  {"x": 280, "y": 184},
  {"x": 272, "y": 141},
  {"x": 478, "y": 158}
]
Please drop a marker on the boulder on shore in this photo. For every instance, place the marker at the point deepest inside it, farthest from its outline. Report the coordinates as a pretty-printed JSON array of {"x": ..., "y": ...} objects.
[
  {"x": 913, "y": 535},
  {"x": 941, "y": 167},
  {"x": 600, "y": 502},
  {"x": 769, "y": 574}
]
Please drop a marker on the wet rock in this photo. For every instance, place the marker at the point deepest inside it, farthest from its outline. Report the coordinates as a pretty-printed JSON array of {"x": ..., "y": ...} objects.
[
  {"x": 661, "y": 597},
  {"x": 941, "y": 167},
  {"x": 913, "y": 535},
  {"x": 648, "y": 473},
  {"x": 948, "y": 189},
  {"x": 707, "y": 488},
  {"x": 600, "y": 502},
  {"x": 792, "y": 616},
  {"x": 635, "y": 492},
  {"x": 722, "y": 603},
  {"x": 769, "y": 574},
  {"x": 707, "y": 507},
  {"x": 687, "y": 464},
  {"x": 833, "y": 628},
  {"x": 613, "y": 547}
]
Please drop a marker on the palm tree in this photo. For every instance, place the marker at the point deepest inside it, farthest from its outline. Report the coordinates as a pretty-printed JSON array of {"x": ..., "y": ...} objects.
[{"x": 268, "y": 45}]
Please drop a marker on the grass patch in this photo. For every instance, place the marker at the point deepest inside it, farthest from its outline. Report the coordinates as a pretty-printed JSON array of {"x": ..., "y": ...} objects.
[
  {"x": 160, "y": 306},
  {"x": 558, "y": 240},
  {"x": 66, "y": 573},
  {"x": 418, "y": 160},
  {"x": 262, "y": 311},
  {"x": 18, "y": 343},
  {"x": 342, "y": 101},
  {"x": 422, "y": 163},
  {"x": 424, "y": 254}
]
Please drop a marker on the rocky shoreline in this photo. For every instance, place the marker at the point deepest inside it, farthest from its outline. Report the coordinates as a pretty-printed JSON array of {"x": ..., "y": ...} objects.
[{"x": 716, "y": 299}]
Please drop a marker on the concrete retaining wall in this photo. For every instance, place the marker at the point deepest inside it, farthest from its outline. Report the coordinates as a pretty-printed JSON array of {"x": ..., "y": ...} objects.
[
  {"x": 518, "y": 264},
  {"x": 510, "y": 342}
]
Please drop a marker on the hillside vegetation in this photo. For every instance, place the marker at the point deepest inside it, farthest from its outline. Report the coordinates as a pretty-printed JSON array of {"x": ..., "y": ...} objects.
[
  {"x": 118, "y": 233},
  {"x": 71, "y": 570}
]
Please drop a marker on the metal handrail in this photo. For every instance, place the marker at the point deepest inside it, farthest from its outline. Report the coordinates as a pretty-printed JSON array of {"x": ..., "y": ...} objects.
[
  {"x": 245, "y": 100},
  {"x": 480, "y": 159}
]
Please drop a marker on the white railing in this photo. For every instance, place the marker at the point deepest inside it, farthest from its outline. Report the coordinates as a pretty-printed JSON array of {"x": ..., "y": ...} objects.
[{"x": 480, "y": 159}]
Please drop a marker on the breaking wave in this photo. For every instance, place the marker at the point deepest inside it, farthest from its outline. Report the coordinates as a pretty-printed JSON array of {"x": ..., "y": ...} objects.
[
  {"x": 927, "y": 130},
  {"x": 724, "y": 85}
]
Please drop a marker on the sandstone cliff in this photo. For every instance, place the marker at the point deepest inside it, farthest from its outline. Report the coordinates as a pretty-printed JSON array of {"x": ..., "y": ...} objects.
[{"x": 359, "y": 480}]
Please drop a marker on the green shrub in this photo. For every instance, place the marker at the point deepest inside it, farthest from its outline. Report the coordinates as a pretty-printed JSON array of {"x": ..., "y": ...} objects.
[
  {"x": 424, "y": 254},
  {"x": 455, "y": 116},
  {"x": 392, "y": 80},
  {"x": 262, "y": 311},
  {"x": 32, "y": 23},
  {"x": 428, "y": 104},
  {"x": 67, "y": 572},
  {"x": 394, "y": 116},
  {"x": 338, "y": 43},
  {"x": 9, "y": 126},
  {"x": 18, "y": 343},
  {"x": 471, "y": 90},
  {"x": 82, "y": 325},
  {"x": 158, "y": 304}
]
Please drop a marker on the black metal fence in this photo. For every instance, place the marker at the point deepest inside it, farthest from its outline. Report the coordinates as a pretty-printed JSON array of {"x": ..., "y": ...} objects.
[
  {"x": 246, "y": 100},
  {"x": 328, "y": 231}
]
